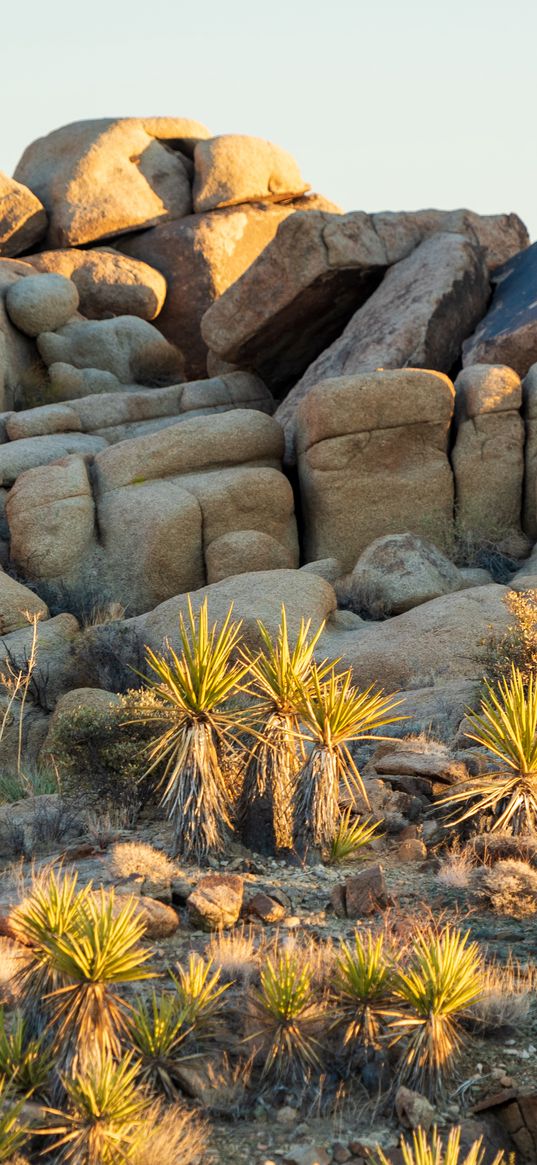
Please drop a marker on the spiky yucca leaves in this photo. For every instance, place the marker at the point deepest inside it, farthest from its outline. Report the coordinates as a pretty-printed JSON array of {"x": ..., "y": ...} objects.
[
  {"x": 25, "y": 1060},
  {"x": 14, "y": 1133},
  {"x": 157, "y": 1030},
  {"x": 334, "y": 714},
  {"x": 192, "y": 689},
  {"x": 277, "y": 675},
  {"x": 351, "y": 835},
  {"x": 286, "y": 1018},
  {"x": 507, "y": 726},
  {"x": 431, "y": 1150},
  {"x": 199, "y": 994},
  {"x": 361, "y": 988},
  {"x": 443, "y": 978},
  {"x": 102, "y": 1123},
  {"x": 103, "y": 951},
  {"x": 53, "y": 908}
]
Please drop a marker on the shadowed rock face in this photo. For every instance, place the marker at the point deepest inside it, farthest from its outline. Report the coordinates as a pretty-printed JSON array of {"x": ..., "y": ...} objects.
[{"x": 508, "y": 333}]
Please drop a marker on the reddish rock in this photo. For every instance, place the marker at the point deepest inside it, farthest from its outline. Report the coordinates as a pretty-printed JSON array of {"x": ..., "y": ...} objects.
[
  {"x": 366, "y": 892},
  {"x": 216, "y": 902}
]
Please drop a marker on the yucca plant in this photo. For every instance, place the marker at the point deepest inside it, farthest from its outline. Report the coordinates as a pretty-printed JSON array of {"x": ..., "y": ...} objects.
[
  {"x": 25, "y": 1060},
  {"x": 53, "y": 908},
  {"x": 443, "y": 979},
  {"x": 507, "y": 727},
  {"x": 425, "y": 1149},
  {"x": 103, "y": 1119},
  {"x": 157, "y": 1030},
  {"x": 192, "y": 690},
  {"x": 14, "y": 1132},
  {"x": 334, "y": 714},
  {"x": 103, "y": 951},
  {"x": 361, "y": 989},
  {"x": 351, "y": 836},
  {"x": 277, "y": 676},
  {"x": 286, "y": 1019},
  {"x": 199, "y": 992}
]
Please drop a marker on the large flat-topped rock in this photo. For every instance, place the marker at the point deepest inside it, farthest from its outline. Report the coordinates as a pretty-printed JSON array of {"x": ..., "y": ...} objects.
[
  {"x": 104, "y": 177},
  {"x": 373, "y": 460}
]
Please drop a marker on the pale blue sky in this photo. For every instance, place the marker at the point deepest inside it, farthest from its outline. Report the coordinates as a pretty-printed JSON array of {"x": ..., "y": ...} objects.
[{"x": 386, "y": 105}]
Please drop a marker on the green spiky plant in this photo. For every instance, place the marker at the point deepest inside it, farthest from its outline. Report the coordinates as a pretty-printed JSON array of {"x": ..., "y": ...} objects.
[
  {"x": 434, "y": 992},
  {"x": 25, "y": 1060},
  {"x": 361, "y": 989},
  {"x": 157, "y": 1030},
  {"x": 506, "y": 726},
  {"x": 53, "y": 908},
  {"x": 14, "y": 1132},
  {"x": 102, "y": 952},
  {"x": 103, "y": 1119},
  {"x": 199, "y": 993},
  {"x": 429, "y": 1149},
  {"x": 334, "y": 714},
  {"x": 286, "y": 1019},
  {"x": 351, "y": 836},
  {"x": 192, "y": 690},
  {"x": 277, "y": 675}
]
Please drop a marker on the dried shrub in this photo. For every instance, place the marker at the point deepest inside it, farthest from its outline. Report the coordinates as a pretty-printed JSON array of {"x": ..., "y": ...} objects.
[
  {"x": 137, "y": 857},
  {"x": 518, "y": 644},
  {"x": 509, "y": 888}
]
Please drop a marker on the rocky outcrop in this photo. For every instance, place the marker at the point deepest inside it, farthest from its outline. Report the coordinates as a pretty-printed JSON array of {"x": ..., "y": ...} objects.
[
  {"x": 419, "y": 316},
  {"x": 128, "y": 348},
  {"x": 108, "y": 283},
  {"x": 23, "y": 219},
  {"x": 372, "y": 460},
  {"x": 508, "y": 332},
  {"x": 97, "y": 179},
  {"x": 529, "y": 509},
  {"x": 236, "y": 168},
  {"x": 488, "y": 455}
]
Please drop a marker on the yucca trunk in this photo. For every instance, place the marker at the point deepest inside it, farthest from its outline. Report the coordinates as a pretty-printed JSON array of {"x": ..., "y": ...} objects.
[
  {"x": 196, "y": 796},
  {"x": 316, "y": 801},
  {"x": 267, "y": 797}
]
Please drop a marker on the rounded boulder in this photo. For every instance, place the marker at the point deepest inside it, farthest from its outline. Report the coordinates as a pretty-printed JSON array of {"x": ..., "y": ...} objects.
[{"x": 41, "y": 303}]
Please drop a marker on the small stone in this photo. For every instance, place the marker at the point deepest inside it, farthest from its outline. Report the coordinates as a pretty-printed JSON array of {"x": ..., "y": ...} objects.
[
  {"x": 266, "y": 908},
  {"x": 366, "y": 892},
  {"x": 306, "y": 1155},
  {"x": 286, "y": 1115},
  {"x": 216, "y": 902},
  {"x": 413, "y": 849},
  {"x": 340, "y": 1153},
  {"x": 413, "y": 1110}
]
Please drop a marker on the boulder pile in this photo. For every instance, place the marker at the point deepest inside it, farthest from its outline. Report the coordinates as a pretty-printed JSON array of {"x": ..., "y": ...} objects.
[{"x": 213, "y": 381}]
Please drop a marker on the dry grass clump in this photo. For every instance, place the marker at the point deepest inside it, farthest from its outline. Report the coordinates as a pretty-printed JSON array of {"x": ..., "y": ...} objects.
[
  {"x": 137, "y": 857},
  {"x": 457, "y": 868},
  {"x": 509, "y": 888},
  {"x": 172, "y": 1136},
  {"x": 235, "y": 955},
  {"x": 508, "y": 993},
  {"x": 518, "y": 644},
  {"x": 489, "y": 848}
]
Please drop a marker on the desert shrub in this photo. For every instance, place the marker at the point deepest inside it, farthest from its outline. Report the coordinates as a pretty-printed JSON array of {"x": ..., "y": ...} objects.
[
  {"x": 489, "y": 848},
  {"x": 30, "y": 782},
  {"x": 361, "y": 988},
  {"x": 286, "y": 1020},
  {"x": 443, "y": 978},
  {"x": 506, "y": 726},
  {"x": 518, "y": 644},
  {"x": 429, "y": 1149},
  {"x": 137, "y": 857},
  {"x": 234, "y": 954},
  {"x": 509, "y": 888},
  {"x": 192, "y": 723},
  {"x": 100, "y": 754},
  {"x": 334, "y": 713},
  {"x": 170, "y": 1136},
  {"x": 102, "y": 1122},
  {"x": 508, "y": 993},
  {"x": 277, "y": 675},
  {"x": 14, "y": 1132}
]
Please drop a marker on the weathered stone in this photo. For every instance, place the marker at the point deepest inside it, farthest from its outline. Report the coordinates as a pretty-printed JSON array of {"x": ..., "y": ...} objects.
[
  {"x": 200, "y": 256},
  {"x": 108, "y": 283},
  {"x": 268, "y": 909},
  {"x": 400, "y": 571},
  {"x": 235, "y": 168},
  {"x": 42, "y": 421},
  {"x": 104, "y": 177},
  {"x": 21, "y": 370},
  {"x": 18, "y": 457},
  {"x": 23, "y": 219},
  {"x": 328, "y": 568},
  {"x": 55, "y": 670},
  {"x": 419, "y": 316},
  {"x": 366, "y": 892},
  {"x": 51, "y": 518},
  {"x": 159, "y": 919},
  {"x": 18, "y": 604},
  {"x": 372, "y": 460},
  {"x": 246, "y": 550},
  {"x": 41, "y": 303},
  {"x": 306, "y": 1155},
  {"x": 413, "y": 1110},
  {"x": 500, "y": 236},
  {"x": 488, "y": 455},
  {"x": 130, "y": 348},
  {"x": 508, "y": 332},
  {"x": 216, "y": 902},
  {"x": 411, "y": 850},
  {"x": 69, "y": 383},
  {"x": 529, "y": 509}
]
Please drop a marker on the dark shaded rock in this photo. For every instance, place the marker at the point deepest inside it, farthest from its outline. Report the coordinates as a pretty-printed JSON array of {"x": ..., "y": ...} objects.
[{"x": 508, "y": 333}]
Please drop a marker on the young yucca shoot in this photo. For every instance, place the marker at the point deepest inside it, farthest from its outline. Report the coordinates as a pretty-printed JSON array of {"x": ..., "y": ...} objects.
[
  {"x": 103, "y": 1119},
  {"x": 199, "y": 994},
  {"x": 286, "y": 1019},
  {"x": 103, "y": 952},
  {"x": 25, "y": 1061},
  {"x": 276, "y": 677},
  {"x": 14, "y": 1133},
  {"x": 361, "y": 988},
  {"x": 425, "y": 1149},
  {"x": 351, "y": 836},
  {"x": 157, "y": 1030},
  {"x": 334, "y": 714},
  {"x": 192, "y": 690},
  {"x": 53, "y": 908},
  {"x": 443, "y": 979},
  {"x": 507, "y": 726}
]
